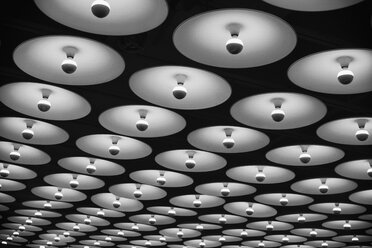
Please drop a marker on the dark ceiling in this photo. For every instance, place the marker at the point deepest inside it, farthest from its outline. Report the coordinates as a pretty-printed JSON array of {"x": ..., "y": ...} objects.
[{"x": 316, "y": 31}]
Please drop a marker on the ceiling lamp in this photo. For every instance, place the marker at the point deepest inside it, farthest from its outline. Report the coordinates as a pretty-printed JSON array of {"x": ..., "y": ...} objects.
[
  {"x": 152, "y": 220},
  {"x": 48, "y": 205},
  {"x": 347, "y": 225},
  {"x": 244, "y": 234},
  {"x": 179, "y": 91},
  {"x": 28, "y": 133},
  {"x": 228, "y": 142},
  {"x": 269, "y": 226},
  {"x": 172, "y": 212},
  {"x": 28, "y": 221},
  {"x": 180, "y": 233},
  {"x": 313, "y": 233},
  {"x": 261, "y": 244},
  {"x": 69, "y": 65},
  {"x": 354, "y": 239},
  {"x": 162, "y": 238},
  {"x": 101, "y": 213},
  {"x": 190, "y": 162},
  {"x": 324, "y": 244},
  {"x": 97, "y": 243},
  {"x": 361, "y": 134},
  {"x": 202, "y": 243},
  {"x": 345, "y": 76},
  {"x": 58, "y": 195},
  {"x": 197, "y": 202},
  {"x": 4, "y": 172},
  {"x": 138, "y": 193},
  {"x": 222, "y": 220},
  {"x": 121, "y": 233},
  {"x": 44, "y": 104},
  {"x": 15, "y": 233},
  {"x": 38, "y": 213},
  {"x": 260, "y": 176},
  {"x": 116, "y": 203},
  {"x": 199, "y": 227},
  {"x": 222, "y": 239},
  {"x": 15, "y": 155},
  {"x": 323, "y": 188},
  {"x": 114, "y": 149},
  {"x": 283, "y": 200},
  {"x": 135, "y": 227},
  {"x": 87, "y": 220},
  {"x": 22, "y": 228},
  {"x": 304, "y": 157},
  {"x": 91, "y": 168},
  {"x": 74, "y": 183},
  {"x": 225, "y": 191},
  {"x": 57, "y": 238},
  {"x": 249, "y": 210},
  {"x": 301, "y": 218},
  {"x": 66, "y": 234},
  {"x": 277, "y": 114},
  {"x": 147, "y": 243},
  {"x": 100, "y": 8},
  {"x": 161, "y": 180},
  {"x": 142, "y": 124},
  {"x": 336, "y": 209}
]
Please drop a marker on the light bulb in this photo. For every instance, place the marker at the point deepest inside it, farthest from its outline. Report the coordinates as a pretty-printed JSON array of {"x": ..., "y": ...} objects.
[
  {"x": 38, "y": 213},
  {"x": 323, "y": 188},
  {"x": 179, "y": 91},
  {"x": 197, "y": 203},
  {"x": 91, "y": 168},
  {"x": 345, "y": 76},
  {"x": 362, "y": 134},
  {"x": 260, "y": 176},
  {"x": 76, "y": 228},
  {"x": 261, "y": 244},
  {"x": 116, "y": 203},
  {"x": 74, "y": 183},
  {"x": 222, "y": 239},
  {"x": 137, "y": 193},
  {"x": 9, "y": 238},
  {"x": 222, "y": 220},
  {"x": 234, "y": 45},
  {"x": 4, "y": 172},
  {"x": 69, "y": 65},
  {"x": 199, "y": 227},
  {"x": 369, "y": 172},
  {"x": 49, "y": 243},
  {"x": 47, "y": 205},
  {"x": 190, "y": 163},
  {"x": 28, "y": 221},
  {"x": 16, "y": 233},
  {"x": 142, "y": 124},
  {"x": 22, "y": 228},
  {"x": 172, "y": 212},
  {"x": 304, "y": 157},
  {"x": 108, "y": 238},
  {"x": 202, "y": 244},
  {"x": 44, "y": 105},
  {"x": 66, "y": 234},
  {"x": 244, "y": 234},
  {"x": 28, "y": 133},
  {"x": 161, "y": 180},
  {"x": 97, "y": 243},
  {"x": 14, "y": 155},
  {"x": 114, "y": 149},
  {"x": 57, "y": 238},
  {"x": 269, "y": 227},
  {"x": 249, "y": 211},
  {"x": 285, "y": 239},
  {"x": 120, "y": 233},
  {"x": 324, "y": 244},
  {"x": 354, "y": 239},
  {"x": 87, "y": 221},
  {"x": 162, "y": 239},
  {"x": 58, "y": 195},
  {"x": 100, "y": 8},
  {"x": 313, "y": 233},
  {"x": 100, "y": 213},
  {"x": 336, "y": 209},
  {"x": 135, "y": 227},
  {"x": 4, "y": 242},
  {"x": 228, "y": 142},
  {"x": 301, "y": 219},
  {"x": 347, "y": 225},
  {"x": 283, "y": 201},
  {"x": 277, "y": 114},
  {"x": 225, "y": 191},
  {"x": 147, "y": 243},
  {"x": 180, "y": 234},
  {"x": 152, "y": 220}
]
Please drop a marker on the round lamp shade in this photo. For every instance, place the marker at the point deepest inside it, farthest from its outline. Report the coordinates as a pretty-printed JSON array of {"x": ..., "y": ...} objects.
[{"x": 264, "y": 38}]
